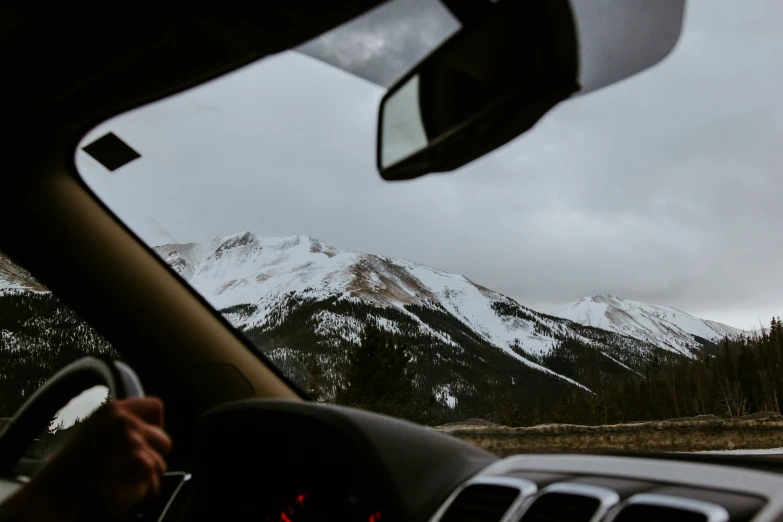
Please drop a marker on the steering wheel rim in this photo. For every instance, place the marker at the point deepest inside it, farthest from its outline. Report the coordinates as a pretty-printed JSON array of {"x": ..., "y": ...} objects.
[{"x": 37, "y": 411}]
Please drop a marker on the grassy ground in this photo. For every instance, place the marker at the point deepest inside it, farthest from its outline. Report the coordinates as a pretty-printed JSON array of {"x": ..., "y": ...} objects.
[{"x": 689, "y": 434}]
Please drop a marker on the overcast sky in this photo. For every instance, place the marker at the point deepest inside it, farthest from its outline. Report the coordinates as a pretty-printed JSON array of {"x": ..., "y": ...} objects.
[{"x": 665, "y": 187}]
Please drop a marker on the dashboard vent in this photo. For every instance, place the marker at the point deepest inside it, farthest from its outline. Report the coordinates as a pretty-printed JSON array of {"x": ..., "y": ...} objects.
[
  {"x": 650, "y": 507},
  {"x": 570, "y": 502},
  {"x": 481, "y": 503}
]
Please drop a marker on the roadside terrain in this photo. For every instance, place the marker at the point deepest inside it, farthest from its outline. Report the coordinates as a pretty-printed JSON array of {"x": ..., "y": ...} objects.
[{"x": 690, "y": 434}]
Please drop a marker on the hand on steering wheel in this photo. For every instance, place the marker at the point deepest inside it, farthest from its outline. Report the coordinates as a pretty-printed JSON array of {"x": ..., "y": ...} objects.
[{"x": 113, "y": 461}]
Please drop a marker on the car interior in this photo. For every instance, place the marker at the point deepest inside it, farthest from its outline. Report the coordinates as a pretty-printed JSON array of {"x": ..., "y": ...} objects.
[{"x": 248, "y": 443}]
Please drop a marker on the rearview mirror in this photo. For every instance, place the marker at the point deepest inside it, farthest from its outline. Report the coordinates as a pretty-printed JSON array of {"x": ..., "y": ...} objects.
[{"x": 508, "y": 66}]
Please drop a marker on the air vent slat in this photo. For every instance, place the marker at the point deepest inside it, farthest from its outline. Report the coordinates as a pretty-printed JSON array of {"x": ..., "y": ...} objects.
[
  {"x": 562, "y": 507},
  {"x": 640, "y": 513},
  {"x": 570, "y": 502},
  {"x": 651, "y": 507},
  {"x": 481, "y": 503}
]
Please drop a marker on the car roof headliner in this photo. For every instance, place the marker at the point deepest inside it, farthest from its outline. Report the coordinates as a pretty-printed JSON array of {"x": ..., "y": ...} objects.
[{"x": 71, "y": 66}]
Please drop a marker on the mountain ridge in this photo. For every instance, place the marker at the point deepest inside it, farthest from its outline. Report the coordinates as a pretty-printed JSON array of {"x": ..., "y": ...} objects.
[
  {"x": 245, "y": 268},
  {"x": 665, "y": 326}
]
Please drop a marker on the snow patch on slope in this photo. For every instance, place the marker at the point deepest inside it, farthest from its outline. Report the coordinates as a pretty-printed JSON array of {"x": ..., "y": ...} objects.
[{"x": 14, "y": 278}]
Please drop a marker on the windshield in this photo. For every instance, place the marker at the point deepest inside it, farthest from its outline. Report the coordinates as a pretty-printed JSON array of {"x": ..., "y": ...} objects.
[{"x": 616, "y": 263}]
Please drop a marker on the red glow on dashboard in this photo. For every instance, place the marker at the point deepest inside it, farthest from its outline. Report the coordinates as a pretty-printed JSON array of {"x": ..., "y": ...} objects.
[
  {"x": 293, "y": 507},
  {"x": 375, "y": 517}
]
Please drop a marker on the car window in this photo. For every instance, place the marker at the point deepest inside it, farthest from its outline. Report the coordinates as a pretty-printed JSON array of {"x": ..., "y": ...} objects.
[
  {"x": 39, "y": 335},
  {"x": 575, "y": 275}
]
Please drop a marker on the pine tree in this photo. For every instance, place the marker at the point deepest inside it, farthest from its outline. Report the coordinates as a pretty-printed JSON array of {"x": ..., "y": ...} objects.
[
  {"x": 508, "y": 414},
  {"x": 377, "y": 377},
  {"x": 314, "y": 379}
]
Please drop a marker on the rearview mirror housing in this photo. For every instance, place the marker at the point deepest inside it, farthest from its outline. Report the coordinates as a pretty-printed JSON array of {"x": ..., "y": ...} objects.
[
  {"x": 505, "y": 69},
  {"x": 486, "y": 85}
]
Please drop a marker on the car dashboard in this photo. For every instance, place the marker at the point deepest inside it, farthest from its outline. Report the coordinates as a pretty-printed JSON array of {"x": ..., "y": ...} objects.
[
  {"x": 294, "y": 462},
  {"x": 290, "y": 461}
]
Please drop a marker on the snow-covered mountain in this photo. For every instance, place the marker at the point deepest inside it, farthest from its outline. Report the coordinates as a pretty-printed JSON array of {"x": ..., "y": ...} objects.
[
  {"x": 297, "y": 297},
  {"x": 663, "y": 326},
  {"x": 248, "y": 269}
]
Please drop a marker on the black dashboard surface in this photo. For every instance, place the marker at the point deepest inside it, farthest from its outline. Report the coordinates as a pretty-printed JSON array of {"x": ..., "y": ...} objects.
[
  {"x": 271, "y": 460},
  {"x": 293, "y": 461}
]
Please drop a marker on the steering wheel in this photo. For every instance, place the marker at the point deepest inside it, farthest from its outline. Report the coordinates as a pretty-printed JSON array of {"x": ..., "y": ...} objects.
[{"x": 37, "y": 412}]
